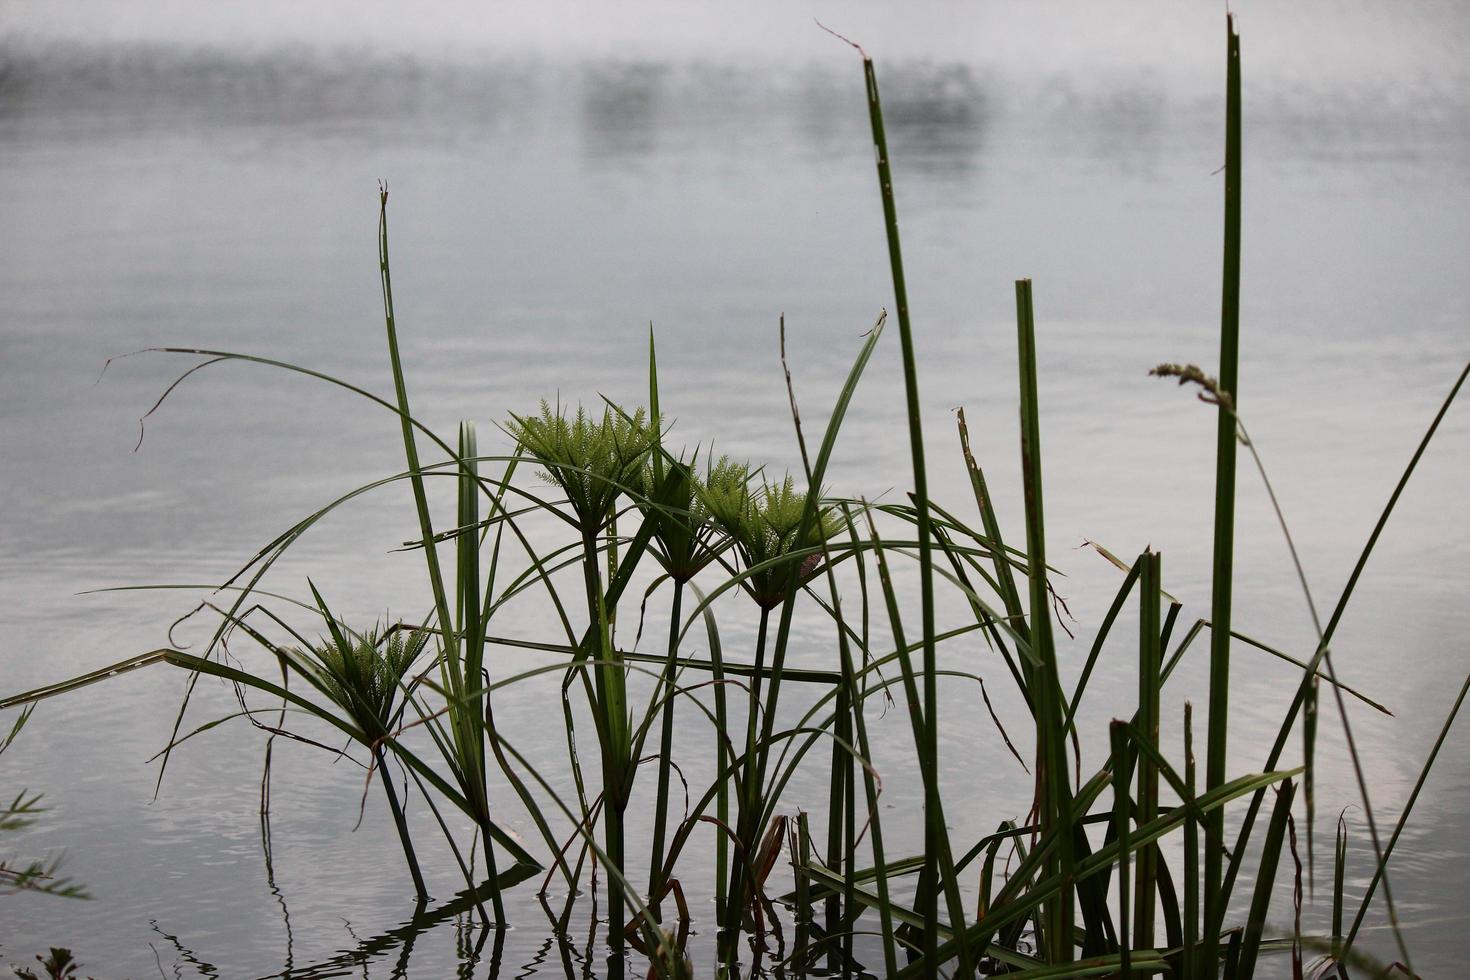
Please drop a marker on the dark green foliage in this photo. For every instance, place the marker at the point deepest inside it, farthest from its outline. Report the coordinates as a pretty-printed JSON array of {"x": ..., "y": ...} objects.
[{"x": 59, "y": 965}]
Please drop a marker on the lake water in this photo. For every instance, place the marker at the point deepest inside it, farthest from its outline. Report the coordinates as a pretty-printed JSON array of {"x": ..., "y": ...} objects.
[{"x": 175, "y": 177}]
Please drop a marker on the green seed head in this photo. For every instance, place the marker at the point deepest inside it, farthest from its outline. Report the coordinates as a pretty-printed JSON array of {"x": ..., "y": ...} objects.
[
  {"x": 364, "y": 675},
  {"x": 764, "y": 521},
  {"x": 591, "y": 460}
]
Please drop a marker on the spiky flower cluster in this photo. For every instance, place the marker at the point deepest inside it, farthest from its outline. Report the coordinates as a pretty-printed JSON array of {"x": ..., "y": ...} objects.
[
  {"x": 363, "y": 673},
  {"x": 591, "y": 460},
  {"x": 764, "y": 520}
]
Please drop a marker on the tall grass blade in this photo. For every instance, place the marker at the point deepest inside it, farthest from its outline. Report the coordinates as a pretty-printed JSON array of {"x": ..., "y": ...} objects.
[
  {"x": 842, "y": 840},
  {"x": 1225, "y": 443},
  {"x": 410, "y": 445},
  {"x": 1339, "y": 877},
  {"x": 1255, "y": 924},
  {"x": 1378, "y": 871},
  {"x": 463, "y": 662},
  {"x": 83, "y": 680},
  {"x": 1055, "y": 803},
  {"x": 1149, "y": 667},
  {"x": 1004, "y": 573},
  {"x": 1190, "y": 951},
  {"x": 1122, "y": 764},
  {"x": 936, "y": 839}
]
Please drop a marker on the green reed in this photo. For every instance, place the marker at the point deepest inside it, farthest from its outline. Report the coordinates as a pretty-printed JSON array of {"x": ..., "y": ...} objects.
[{"x": 1223, "y": 578}]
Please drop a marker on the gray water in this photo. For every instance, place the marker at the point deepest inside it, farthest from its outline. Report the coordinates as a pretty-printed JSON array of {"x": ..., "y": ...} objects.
[{"x": 173, "y": 177}]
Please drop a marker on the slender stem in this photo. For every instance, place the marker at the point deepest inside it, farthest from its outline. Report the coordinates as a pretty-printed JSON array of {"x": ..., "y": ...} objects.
[
  {"x": 801, "y": 858},
  {"x": 1148, "y": 722},
  {"x": 1225, "y": 443},
  {"x": 492, "y": 874},
  {"x": 875, "y": 824},
  {"x": 665, "y": 747},
  {"x": 612, "y": 815},
  {"x": 746, "y": 799},
  {"x": 1122, "y": 763},
  {"x": 1378, "y": 872},
  {"x": 1309, "y": 722},
  {"x": 611, "y": 723},
  {"x": 839, "y": 813},
  {"x": 936, "y": 837},
  {"x": 1312, "y": 666},
  {"x": 722, "y": 792},
  {"x": 1191, "y": 852},
  {"x": 1056, "y": 794},
  {"x": 401, "y": 824}
]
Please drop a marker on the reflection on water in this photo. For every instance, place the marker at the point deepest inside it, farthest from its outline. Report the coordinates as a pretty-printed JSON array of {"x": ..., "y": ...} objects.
[
  {"x": 478, "y": 948},
  {"x": 940, "y": 112},
  {"x": 549, "y": 207},
  {"x": 622, "y": 106}
]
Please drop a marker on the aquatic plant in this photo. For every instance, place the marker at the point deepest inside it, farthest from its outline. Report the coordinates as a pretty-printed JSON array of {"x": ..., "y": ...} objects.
[
  {"x": 1079, "y": 886},
  {"x": 778, "y": 546},
  {"x": 685, "y": 541},
  {"x": 594, "y": 461},
  {"x": 364, "y": 675}
]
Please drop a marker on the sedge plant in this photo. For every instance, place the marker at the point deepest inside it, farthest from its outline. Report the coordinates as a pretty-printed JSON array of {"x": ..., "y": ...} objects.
[
  {"x": 594, "y": 460},
  {"x": 767, "y": 521}
]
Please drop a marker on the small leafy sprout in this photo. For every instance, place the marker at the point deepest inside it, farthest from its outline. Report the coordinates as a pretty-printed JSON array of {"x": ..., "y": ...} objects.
[
  {"x": 591, "y": 460},
  {"x": 60, "y": 965},
  {"x": 764, "y": 521}
]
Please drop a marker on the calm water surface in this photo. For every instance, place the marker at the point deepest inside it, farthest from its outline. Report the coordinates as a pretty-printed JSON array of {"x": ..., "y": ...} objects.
[{"x": 175, "y": 178}]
